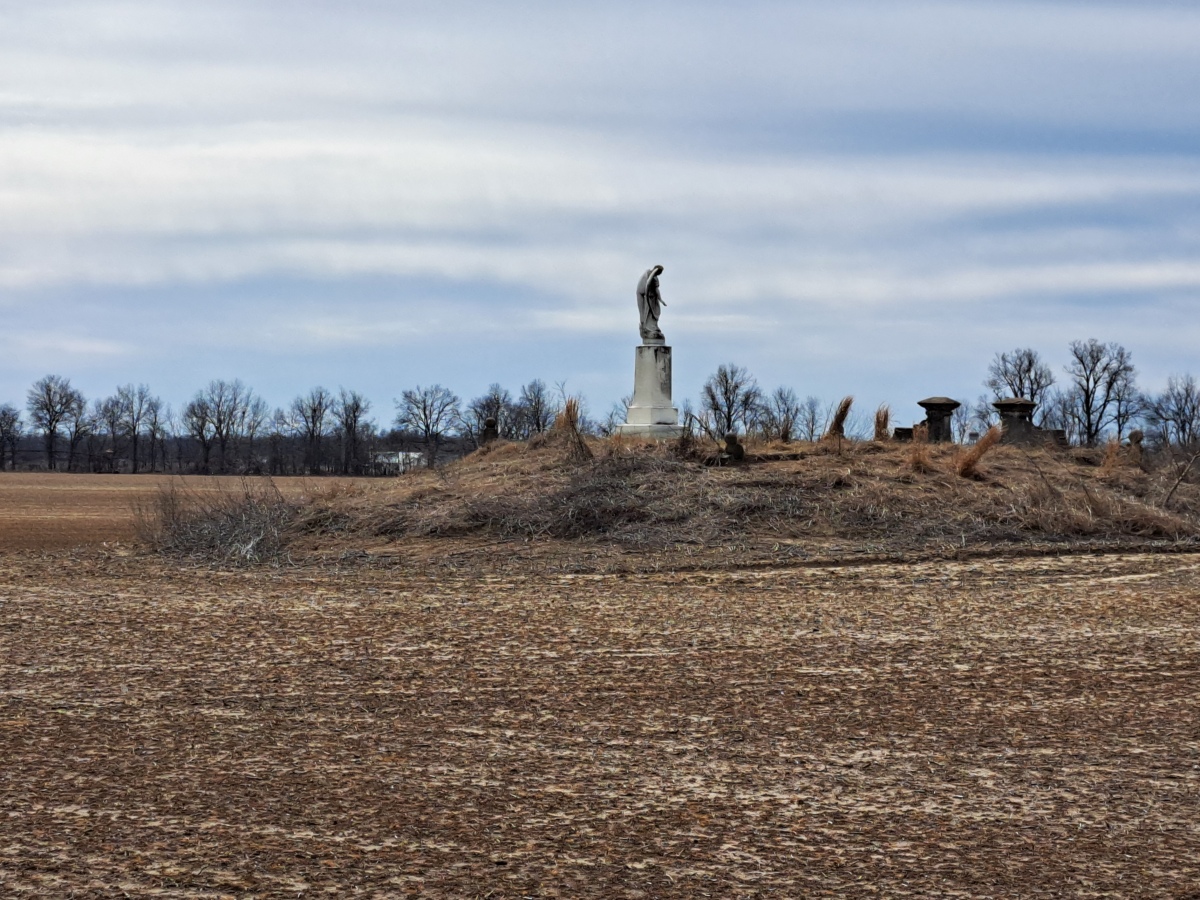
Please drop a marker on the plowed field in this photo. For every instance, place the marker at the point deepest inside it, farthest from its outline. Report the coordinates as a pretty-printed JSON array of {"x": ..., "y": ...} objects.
[
  {"x": 47, "y": 511},
  {"x": 999, "y": 728}
]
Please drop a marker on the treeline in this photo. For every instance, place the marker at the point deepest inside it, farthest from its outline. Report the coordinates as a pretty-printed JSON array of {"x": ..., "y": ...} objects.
[{"x": 226, "y": 428}]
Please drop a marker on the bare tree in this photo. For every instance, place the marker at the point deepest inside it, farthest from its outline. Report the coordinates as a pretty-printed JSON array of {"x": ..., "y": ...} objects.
[
  {"x": 960, "y": 423},
  {"x": 811, "y": 423},
  {"x": 254, "y": 416},
  {"x": 81, "y": 426},
  {"x": 311, "y": 411},
  {"x": 351, "y": 410},
  {"x": 282, "y": 427},
  {"x": 430, "y": 411},
  {"x": 618, "y": 414},
  {"x": 1174, "y": 415},
  {"x": 48, "y": 402},
  {"x": 135, "y": 405},
  {"x": 1099, "y": 373},
  {"x": 1019, "y": 373},
  {"x": 496, "y": 404},
  {"x": 112, "y": 414},
  {"x": 536, "y": 409},
  {"x": 1059, "y": 412},
  {"x": 983, "y": 414},
  {"x": 780, "y": 414},
  {"x": 158, "y": 430},
  {"x": 732, "y": 396},
  {"x": 10, "y": 433},
  {"x": 227, "y": 400},
  {"x": 219, "y": 411},
  {"x": 198, "y": 421}
]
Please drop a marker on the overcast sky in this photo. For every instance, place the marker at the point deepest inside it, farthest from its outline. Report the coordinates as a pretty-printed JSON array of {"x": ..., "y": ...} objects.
[{"x": 852, "y": 197}]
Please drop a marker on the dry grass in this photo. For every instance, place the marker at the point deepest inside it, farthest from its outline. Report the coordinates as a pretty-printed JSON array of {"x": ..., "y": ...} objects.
[
  {"x": 966, "y": 464},
  {"x": 1114, "y": 456},
  {"x": 837, "y": 425},
  {"x": 883, "y": 417},
  {"x": 918, "y": 457}
]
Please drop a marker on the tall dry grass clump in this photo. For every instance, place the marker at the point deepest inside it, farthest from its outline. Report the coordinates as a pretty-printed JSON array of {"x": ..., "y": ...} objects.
[
  {"x": 967, "y": 462},
  {"x": 566, "y": 425},
  {"x": 919, "y": 458},
  {"x": 883, "y": 417},
  {"x": 1113, "y": 456},
  {"x": 837, "y": 425},
  {"x": 246, "y": 526}
]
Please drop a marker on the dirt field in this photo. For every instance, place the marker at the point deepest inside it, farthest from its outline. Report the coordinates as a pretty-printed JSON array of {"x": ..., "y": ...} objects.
[
  {"x": 996, "y": 728},
  {"x": 44, "y": 511}
]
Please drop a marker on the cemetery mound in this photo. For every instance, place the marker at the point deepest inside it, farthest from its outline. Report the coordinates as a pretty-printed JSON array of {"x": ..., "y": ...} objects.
[{"x": 582, "y": 504}]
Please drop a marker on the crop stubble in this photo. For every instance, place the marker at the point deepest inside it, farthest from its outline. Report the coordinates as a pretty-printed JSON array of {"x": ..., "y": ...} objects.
[{"x": 991, "y": 728}]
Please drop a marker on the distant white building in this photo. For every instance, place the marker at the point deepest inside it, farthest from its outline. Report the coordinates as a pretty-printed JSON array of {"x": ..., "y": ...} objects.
[{"x": 397, "y": 462}]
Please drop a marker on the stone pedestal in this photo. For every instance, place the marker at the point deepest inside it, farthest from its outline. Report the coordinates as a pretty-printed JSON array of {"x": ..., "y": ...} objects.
[
  {"x": 938, "y": 413},
  {"x": 651, "y": 414}
]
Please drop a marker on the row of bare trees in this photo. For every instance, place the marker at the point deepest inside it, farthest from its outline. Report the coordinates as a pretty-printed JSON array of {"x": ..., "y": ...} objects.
[
  {"x": 227, "y": 428},
  {"x": 1098, "y": 397}
]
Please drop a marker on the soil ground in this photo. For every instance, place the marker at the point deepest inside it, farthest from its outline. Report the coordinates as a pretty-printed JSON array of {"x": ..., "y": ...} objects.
[
  {"x": 43, "y": 511},
  {"x": 445, "y": 724}
]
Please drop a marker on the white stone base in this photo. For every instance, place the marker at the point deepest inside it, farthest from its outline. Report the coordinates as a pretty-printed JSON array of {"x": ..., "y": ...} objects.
[
  {"x": 651, "y": 414},
  {"x": 650, "y": 432}
]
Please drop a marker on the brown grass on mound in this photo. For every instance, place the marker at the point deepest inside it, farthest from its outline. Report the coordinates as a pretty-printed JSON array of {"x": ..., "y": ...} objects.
[
  {"x": 966, "y": 464},
  {"x": 642, "y": 495}
]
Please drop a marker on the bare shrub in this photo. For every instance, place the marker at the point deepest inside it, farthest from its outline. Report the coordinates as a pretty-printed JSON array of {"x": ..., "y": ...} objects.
[
  {"x": 247, "y": 526},
  {"x": 883, "y": 417},
  {"x": 967, "y": 462}
]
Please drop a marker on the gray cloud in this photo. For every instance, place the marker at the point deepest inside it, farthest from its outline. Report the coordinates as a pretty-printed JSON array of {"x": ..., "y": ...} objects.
[{"x": 825, "y": 184}]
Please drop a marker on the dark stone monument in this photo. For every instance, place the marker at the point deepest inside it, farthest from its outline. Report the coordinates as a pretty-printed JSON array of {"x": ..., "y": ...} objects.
[
  {"x": 734, "y": 451},
  {"x": 1135, "y": 445},
  {"x": 938, "y": 411},
  {"x": 490, "y": 432},
  {"x": 1016, "y": 418}
]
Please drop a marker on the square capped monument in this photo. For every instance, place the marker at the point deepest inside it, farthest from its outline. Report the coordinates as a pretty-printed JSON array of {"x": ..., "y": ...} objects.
[{"x": 651, "y": 414}]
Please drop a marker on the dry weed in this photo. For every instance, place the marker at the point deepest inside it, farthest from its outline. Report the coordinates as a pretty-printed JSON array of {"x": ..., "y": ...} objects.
[
  {"x": 837, "y": 425},
  {"x": 919, "y": 458},
  {"x": 967, "y": 462},
  {"x": 566, "y": 425},
  {"x": 883, "y": 417}
]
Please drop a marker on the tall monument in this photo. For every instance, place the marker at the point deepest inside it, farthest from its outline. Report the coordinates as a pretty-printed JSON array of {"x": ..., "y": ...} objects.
[{"x": 651, "y": 414}]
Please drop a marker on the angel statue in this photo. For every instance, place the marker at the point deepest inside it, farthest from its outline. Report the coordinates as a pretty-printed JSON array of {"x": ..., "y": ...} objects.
[{"x": 650, "y": 304}]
